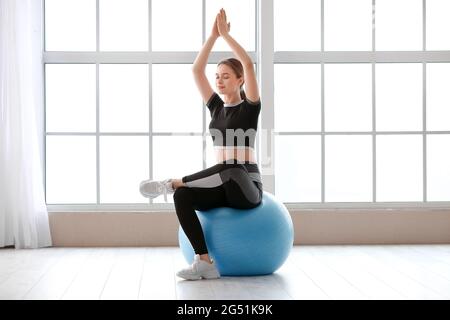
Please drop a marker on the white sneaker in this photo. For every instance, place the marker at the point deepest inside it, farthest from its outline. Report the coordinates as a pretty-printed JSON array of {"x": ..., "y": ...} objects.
[
  {"x": 152, "y": 189},
  {"x": 199, "y": 269}
]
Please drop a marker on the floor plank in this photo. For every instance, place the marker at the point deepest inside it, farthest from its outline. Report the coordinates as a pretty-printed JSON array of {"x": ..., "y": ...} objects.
[
  {"x": 349, "y": 269},
  {"x": 330, "y": 281},
  {"x": 29, "y": 271},
  {"x": 434, "y": 259},
  {"x": 310, "y": 273},
  {"x": 404, "y": 260},
  {"x": 124, "y": 280},
  {"x": 57, "y": 279},
  {"x": 386, "y": 270},
  {"x": 297, "y": 284},
  {"x": 90, "y": 281},
  {"x": 158, "y": 278}
]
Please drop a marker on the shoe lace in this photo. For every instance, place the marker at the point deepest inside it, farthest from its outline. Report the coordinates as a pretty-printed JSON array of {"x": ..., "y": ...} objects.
[
  {"x": 167, "y": 188},
  {"x": 162, "y": 188}
]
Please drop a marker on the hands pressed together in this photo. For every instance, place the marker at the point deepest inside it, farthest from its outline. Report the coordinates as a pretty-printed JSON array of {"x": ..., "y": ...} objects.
[{"x": 220, "y": 26}]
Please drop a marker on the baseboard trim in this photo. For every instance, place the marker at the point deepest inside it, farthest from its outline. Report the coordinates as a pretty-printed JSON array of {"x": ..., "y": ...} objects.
[{"x": 345, "y": 226}]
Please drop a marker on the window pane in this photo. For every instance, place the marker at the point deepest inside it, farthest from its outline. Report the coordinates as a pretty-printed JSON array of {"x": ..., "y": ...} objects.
[
  {"x": 348, "y": 168},
  {"x": 438, "y": 24},
  {"x": 438, "y": 96},
  {"x": 176, "y": 157},
  {"x": 124, "y": 25},
  {"x": 398, "y": 25},
  {"x": 70, "y": 170},
  {"x": 124, "y": 101},
  {"x": 70, "y": 25},
  {"x": 438, "y": 170},
  {"x": 70, "y": 97},
  {"x": 297, "y": 97},
  {"x": 348, "y": 24},
  {"x": 297, "y": 168},
  {"x": 348, "y": 97},
  {"x": 399, "y": 92},
  {"x": 399, "y": 168},
  {"x": 123, "y": 165},
  {"x": 177, "y": 105},
  {"x": 182, "y": 31},
  {"x": 241, "y": 15},
  {"x": 297, "y": 25}
]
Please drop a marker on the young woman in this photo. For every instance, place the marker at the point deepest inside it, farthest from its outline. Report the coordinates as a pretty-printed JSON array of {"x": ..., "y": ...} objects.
[{"x": 235, "y": 180}]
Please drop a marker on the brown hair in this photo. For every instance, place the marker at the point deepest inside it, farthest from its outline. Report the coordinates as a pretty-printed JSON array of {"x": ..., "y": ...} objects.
[{"x": 237, "y": 68}]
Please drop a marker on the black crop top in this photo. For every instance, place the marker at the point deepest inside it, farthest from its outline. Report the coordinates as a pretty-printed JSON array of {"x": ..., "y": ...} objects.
[{"x": 233, "y": 125}]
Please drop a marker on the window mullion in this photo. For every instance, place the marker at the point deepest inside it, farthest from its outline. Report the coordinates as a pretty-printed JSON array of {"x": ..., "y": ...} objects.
[
  {"x": 204, "y": 165},
  {"x": 150, "y": 96},
  {"x": 322, "y": 104},
  {"x": 424, "y": 102},
  {"x": 97, "y": 130},
  {"x": 97, "y": 102},
  {"x": 265, "y": 53},
  {"x": 374, "y": 136}
]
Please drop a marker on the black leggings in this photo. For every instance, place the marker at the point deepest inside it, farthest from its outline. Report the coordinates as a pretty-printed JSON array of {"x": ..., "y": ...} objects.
[{"x": 222, "y": 185}]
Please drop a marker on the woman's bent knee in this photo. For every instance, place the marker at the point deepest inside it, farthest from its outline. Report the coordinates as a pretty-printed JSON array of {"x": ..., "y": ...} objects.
[{"x": 182, "y": 194}]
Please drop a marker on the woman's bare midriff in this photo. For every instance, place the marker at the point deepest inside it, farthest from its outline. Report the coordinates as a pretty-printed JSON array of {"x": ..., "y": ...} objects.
[{"x": 242, "y": 154}]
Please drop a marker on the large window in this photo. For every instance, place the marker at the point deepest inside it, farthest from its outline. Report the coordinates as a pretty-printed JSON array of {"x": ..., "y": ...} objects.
[
  {"x": 121, "y": 103},
  {"x": 355, "y": 100},
  {"x": 361, "y": 110}
]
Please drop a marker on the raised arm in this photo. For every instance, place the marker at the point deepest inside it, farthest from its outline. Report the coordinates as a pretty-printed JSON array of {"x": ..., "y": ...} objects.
[
  {"x": 199, "y": 66},
  {"x": 250, "y": 82}
]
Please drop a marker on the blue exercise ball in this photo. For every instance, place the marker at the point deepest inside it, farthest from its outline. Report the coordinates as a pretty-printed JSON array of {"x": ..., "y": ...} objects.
[{"x": 245, "y": 242}]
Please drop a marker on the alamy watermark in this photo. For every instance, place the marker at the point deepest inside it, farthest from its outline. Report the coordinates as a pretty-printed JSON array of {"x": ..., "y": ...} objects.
[{"x": 236, "y": 139}]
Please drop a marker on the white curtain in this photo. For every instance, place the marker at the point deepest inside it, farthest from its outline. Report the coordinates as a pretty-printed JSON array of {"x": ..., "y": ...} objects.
[{"x": 24, "y": 219}]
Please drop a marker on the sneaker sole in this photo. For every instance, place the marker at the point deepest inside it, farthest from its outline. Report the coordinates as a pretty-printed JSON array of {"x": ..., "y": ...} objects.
[
  {"x": 146, "y": 194},
  {"x": 151, "y": 196},
  {"x": 189, "y": 277},
  {"x": 207, "y": 276},
  {"x": 213, "y": 275}
]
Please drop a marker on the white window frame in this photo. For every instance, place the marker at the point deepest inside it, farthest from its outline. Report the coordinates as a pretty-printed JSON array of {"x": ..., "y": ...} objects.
[
  {"x": 373, "y": 57},
  {"x": 98, "y": 57},
  {"x": 265, "y": 59}
]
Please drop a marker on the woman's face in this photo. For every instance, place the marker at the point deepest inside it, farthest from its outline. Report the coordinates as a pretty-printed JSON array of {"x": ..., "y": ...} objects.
[{"x": 226, "y": 80}]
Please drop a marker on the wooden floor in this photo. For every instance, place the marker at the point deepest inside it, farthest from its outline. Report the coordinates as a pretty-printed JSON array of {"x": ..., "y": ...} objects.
[{"x": 311, "y": 272}]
